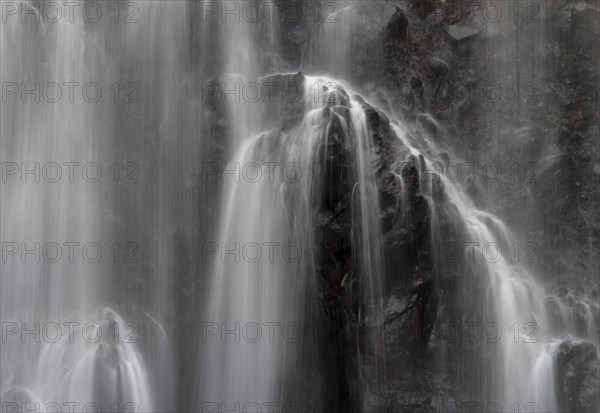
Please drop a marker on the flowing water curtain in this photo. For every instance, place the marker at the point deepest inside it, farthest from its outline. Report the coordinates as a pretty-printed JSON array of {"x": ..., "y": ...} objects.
[
  {"x": 162, "y": 133},
  {"x": 107, "y": 371},
  {"x": 517, "y": 369},
  {"x": 268, "y": 288},
  {"x": 525, "y": 373},
  {"x": 247, "y": 35},
  {"x": 40, "y": 131}
]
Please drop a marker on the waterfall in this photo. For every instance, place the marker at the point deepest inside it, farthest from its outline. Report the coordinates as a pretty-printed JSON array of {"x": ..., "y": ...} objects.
[
  {"x": 217, "y": 206},
  {"x": 264, "y": 267},
  {"x": 519, "y": 367},
  {"x": 47, "y": 284},
  {"x": 82, "y": 320}
]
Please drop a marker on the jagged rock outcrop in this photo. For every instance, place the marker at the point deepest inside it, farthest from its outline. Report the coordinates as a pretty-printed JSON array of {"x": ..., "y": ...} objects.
[{"x": 418, "y": 284}]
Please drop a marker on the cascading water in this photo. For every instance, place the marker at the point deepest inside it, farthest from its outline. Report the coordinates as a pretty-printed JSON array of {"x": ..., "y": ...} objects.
[
  {"x": 519, "y": 370},
  {"x": 74, "y": 335},
  {"x": 326, "y": 279},
  {"x": 40, "y": 295},
  {"x": 274, "y": 283}
]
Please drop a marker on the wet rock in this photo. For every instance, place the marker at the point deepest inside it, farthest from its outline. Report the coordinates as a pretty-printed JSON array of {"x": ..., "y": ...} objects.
[
  {"x": 415, "y": 315},
  {"x": 410, "y": 176},
  {"x": 577, "y": 377},
  {"x": 581, "y": 20},
  {"x": 461, "y": 33},
  {"x": 335, "y": 96},
  {"x": 438, "y": 67},
  {"x": 416, "y": 95},
  {"x": 423, "y": 7},
  {"x": 397, "y": 28},
  {"x": 387, "y": 149},
  {"x": 336, "y": 156},
  {"x": 423, "y": 307},
  {"x": 389, "y": 197}
]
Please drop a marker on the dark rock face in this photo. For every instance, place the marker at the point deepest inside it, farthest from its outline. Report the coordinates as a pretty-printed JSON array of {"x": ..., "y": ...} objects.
[
  {"x": 577, "y": 377},
  {"x": 423, "y": 8},
  {"x": 409, "y": 278},
  {"x": 337, "y": 279},
  {"x": 335, "y": 218},
  {"x": 397, "y": 28},
  {"x": 425, "y": 293}
]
